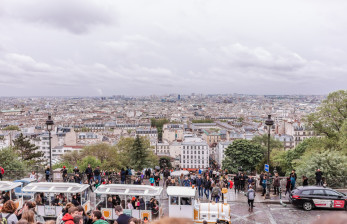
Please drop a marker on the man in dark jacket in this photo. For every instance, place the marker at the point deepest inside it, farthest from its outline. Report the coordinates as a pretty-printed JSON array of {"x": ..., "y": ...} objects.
[
  {"x": 207, "y": 186},
  {"x": 166, "y": 174},
  {"x": 123, "y": 174},
  {"x": 122, "y": 218},
  {"x": 89, "y": 173},
  {"x": 97, "y": 174},
  {"x": 199, "y": 184},
  {"x": 319, "y": 175}
]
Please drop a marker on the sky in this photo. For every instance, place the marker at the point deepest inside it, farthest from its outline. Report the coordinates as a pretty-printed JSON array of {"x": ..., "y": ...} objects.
[{"x": 136, "y": 47}]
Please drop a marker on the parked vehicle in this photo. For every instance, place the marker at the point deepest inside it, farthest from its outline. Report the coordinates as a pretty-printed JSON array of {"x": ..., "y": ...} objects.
[{"x": 310, "y": 197}]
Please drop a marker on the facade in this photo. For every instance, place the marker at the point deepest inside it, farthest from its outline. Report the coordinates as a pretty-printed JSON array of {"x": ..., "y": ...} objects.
[
  {"x": 194, "y": 154},
  {"x": 220, "y": 151},
  {"x": 173, "y": 132}
]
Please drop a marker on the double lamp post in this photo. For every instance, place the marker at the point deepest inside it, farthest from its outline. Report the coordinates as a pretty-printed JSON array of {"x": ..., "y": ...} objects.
[{"x": 269, "y": 122}]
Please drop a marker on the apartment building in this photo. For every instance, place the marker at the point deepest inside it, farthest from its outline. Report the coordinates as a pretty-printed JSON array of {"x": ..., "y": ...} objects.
[{"x": 194, "y": 154}]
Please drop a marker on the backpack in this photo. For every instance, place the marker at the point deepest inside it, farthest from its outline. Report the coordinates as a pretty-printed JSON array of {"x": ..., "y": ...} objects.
[
  {"x": 3, "y": 220},
  {"x": 251, "y": 195},
  {"x": 47, "y": 172},
  {"x": 215, "y": 191}
]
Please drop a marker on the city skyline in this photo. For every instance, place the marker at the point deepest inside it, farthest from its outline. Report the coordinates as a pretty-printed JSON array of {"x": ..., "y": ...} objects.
[{"x": 94, "y": 48}]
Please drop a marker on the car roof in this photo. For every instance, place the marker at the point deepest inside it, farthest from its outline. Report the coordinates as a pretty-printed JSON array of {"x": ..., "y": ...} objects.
[{"x": 313, "y": 188}]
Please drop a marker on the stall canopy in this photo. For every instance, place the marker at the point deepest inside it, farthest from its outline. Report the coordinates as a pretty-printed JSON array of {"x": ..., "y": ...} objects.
[
  {"x": 181, "y": 191},
  {"x": 7, "y": 185},
  {"x": 53, "y": 187},
  {"x": 124, "y": 189},
  {"x": 178, "y": 173}
]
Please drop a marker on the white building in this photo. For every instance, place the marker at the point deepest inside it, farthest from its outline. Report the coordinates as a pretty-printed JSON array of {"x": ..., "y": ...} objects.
[
  {"x": 194, "y": 154},
  {"x": 220, "y": 151}
]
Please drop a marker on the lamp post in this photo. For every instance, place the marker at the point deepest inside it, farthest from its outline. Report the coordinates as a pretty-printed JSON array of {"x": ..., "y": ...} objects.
[
  {"x": 269, "y": 122},
  {"x": 49, "y": 124}
]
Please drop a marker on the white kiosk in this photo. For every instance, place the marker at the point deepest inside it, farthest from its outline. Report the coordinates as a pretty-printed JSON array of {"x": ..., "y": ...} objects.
[
  {"x": 51, "y": 189},
  {"x": 182, "y": 204},
  {"x": 125, "y": 192},
  {"x": 8, "y": 187}
]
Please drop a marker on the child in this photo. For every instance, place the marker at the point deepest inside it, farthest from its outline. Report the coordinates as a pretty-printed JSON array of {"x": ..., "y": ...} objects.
[
  {"x": 151, "y": 180},
  {"x": 288, "y": 185},
  {"x": 130, "y": 206}
]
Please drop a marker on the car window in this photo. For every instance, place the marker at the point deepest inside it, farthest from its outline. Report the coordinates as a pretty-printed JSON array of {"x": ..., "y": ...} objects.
[
  {"x": 331, "y": 193},
  {"x": 318, "y": 192},
  {"x": 306, "y": 192}
]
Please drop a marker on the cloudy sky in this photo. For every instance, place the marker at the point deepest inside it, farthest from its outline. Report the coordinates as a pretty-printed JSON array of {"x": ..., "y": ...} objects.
[{"x": 107, "y": 47}]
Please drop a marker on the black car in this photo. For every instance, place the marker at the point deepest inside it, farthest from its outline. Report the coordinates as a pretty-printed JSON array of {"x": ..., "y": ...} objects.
[{"x": 310, "y": 197}]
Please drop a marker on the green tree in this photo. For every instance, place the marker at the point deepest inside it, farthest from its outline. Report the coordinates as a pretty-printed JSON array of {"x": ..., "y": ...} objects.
[
  {"x": 332, "y": 164},
  {"x": 263, "y": 140},
  {"x": 9, "y": 160},
  {"x": 242, "y": 153},
  {"x": 203, "y": 121},
  {"x": 28, "y": 152},
  {"x": 94, "y": 162},
  {"x": 331, "y": 114},
  {"x": 139, "y": 155},
  {"x": 71, "y": 158},
  {"x": 12, "y": 128},
  {"x": 165, "y": 161}
]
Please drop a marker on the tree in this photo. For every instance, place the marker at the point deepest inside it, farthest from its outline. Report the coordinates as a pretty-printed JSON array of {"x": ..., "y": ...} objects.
[
  {"x": 332, "y": 164},
  {"x": 27, "y": 151},
  {"x": 263, "y": 140},
  {"x": 71, "y": 158},
  {"x": 164, "y": 162},
  {"x": 242, "y": 153},
  {"x": 331, "y": 114},
  {"x": 12, "y": 128},
  {"x": 9, "y": 160},
  {"x": 94, "y": 162},
  {"x": 139, "y": 155}
]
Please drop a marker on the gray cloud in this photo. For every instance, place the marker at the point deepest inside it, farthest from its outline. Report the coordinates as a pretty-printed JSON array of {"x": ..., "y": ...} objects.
[
  {"x": 171, "y": 46},
  {"x": 77, "y": 16}
]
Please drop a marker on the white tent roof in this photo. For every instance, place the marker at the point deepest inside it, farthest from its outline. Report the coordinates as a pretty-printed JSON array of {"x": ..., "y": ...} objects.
[
  {"x": 54, "y": 187},
  {"x": 181, "y": 191},
  {"x": 178, "y": 173},
  {"x": 125, "y": 189},
  {"x": 8, "y": 185}
]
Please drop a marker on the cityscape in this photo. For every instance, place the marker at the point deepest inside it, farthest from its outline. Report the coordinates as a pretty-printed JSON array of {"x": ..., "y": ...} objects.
[{"x": 173, "y": 112}]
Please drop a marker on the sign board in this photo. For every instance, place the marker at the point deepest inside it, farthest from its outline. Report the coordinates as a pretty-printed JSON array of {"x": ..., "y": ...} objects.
[
  {"x": 50, "y": 211},
  {"x": 267, "y": 167}
]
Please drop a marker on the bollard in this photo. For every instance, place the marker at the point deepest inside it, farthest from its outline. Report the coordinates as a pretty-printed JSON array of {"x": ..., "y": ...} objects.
[{"x": 283, "y": 204}]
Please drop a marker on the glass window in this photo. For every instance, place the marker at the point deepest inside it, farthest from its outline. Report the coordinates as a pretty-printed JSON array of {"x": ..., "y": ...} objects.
[
  {"x": 174, "y": 201},
  {"x": 307, "y": 192},
  {"x": 186, "y": 201},
  {"x": 332, "y": 193},
  {"x": 318, "y": 192}
]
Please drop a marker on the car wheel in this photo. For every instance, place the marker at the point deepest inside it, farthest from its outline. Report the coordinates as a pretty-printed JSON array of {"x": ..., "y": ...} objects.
[{"x": 307, "y": 206}]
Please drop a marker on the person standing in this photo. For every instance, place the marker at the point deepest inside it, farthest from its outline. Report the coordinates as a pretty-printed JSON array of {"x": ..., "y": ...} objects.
[
  {"x": 242, "y": 182},
  {"x": 294, "y": 174},
  {"x": 319, "y": 175},
  {"x": 151, "y": 180},
  {"x": 2, "y": 171},
  {"x": 166, "y": 174},
  {"x": 304, "y": 181},
  {"x": 157, "y": 179},
  {"x": 97, "y": 174},
  {"x": 276, "y": 184},
  {"x": 89, "y": 173},
  {"x": 186, "y": 182},
  {"x": 122, "y": 218},
  {"x": 97, "y": 218},
  {"x": 207, "y": 186},
  {"x": 199, "y": 185},
  {"x": 122, "y": 176},
  {"x": 263, "y": 184},
  {"x": 64, "y": 171},
  {"x": 292, "y": 182},
  {"x": 216, "y": 192},
  {"x": 250, "y": 196},
  {"x": 236, "y": 183},
  {"x": 288, "y": 186}
]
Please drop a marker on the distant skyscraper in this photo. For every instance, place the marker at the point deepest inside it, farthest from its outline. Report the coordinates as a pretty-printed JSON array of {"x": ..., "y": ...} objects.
[{"x": 179, "y": 97}]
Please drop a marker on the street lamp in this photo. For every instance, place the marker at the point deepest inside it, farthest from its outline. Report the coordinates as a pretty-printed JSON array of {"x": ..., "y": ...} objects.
[
  {"x": 49, "y": 124},
  {"x": 269, "y": 122}
]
